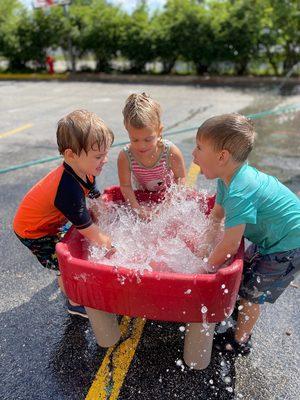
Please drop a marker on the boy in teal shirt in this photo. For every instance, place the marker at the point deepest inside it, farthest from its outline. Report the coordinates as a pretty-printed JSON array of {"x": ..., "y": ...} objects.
[{"x": 255, "y": 205}]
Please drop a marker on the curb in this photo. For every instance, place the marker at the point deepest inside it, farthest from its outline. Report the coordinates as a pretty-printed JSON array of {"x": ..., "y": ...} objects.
[
  {"x": 32, "y": 77},
  {"x": 239, "y": 81}
]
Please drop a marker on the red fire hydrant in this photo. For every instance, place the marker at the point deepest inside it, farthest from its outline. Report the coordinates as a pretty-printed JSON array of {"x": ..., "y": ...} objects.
[{"x": 50, "y": 64}]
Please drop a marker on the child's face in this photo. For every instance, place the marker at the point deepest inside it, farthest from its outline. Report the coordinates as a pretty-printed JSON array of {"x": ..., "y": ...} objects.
[
  {"x": 144, "y": 140},
  {"x": 207, "y": 158},
  {"x": 91, "y": 163}
]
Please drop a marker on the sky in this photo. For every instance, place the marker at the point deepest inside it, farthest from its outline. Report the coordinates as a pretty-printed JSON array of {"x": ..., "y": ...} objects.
[{"x": 127, "y": 5}]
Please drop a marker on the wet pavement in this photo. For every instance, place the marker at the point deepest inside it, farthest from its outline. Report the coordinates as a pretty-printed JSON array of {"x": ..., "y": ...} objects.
[{"x": 47, "y": 354}]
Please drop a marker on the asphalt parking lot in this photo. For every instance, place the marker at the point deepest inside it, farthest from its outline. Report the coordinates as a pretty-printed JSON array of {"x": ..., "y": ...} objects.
[{"x": 47, "y": 354}]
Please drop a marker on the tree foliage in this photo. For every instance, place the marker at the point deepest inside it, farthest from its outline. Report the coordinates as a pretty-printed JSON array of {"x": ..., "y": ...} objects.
[
  {"x": 208, "y": 34},
  {"x": 137, "y": 43}
]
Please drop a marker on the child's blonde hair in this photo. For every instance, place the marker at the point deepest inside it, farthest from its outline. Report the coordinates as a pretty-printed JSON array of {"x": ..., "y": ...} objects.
[
  {"x": 141, "y": 111},
  {"x": 232, "y": 132},
  {"x": 82, "y": 130}
]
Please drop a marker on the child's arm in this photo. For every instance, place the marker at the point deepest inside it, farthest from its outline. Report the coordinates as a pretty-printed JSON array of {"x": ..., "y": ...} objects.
[
  {"x": 94, "y": 210},
  {"x": 200, "y": 246},
  {"x": 177, "y": 165},
  {"x": 227, "y": 247},
  {"x": 215, "y": 218},
  {"x": 125, "y": 182},
  {"x": 96, "y": 236}
]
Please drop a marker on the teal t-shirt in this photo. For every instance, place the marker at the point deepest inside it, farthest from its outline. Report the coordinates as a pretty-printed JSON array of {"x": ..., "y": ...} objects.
[{"x": 269, "y": 209}]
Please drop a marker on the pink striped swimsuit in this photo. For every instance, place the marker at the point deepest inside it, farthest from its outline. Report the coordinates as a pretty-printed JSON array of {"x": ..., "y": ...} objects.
[{"x": 155, "y": 178}]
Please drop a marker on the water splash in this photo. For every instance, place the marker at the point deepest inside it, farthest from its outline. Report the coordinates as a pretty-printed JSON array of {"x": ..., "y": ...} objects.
[{"x": 159, "y": 244}]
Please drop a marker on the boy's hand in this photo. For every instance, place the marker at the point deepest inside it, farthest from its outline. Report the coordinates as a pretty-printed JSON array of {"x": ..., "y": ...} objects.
[
  {"x": 109, "y": 247},
  {"x": 110, "y": 252},
  {"x": 96, "y": 236}
]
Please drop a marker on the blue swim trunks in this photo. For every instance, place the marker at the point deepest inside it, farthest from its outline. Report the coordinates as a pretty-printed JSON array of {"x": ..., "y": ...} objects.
[{"x": 267, "y": 276}]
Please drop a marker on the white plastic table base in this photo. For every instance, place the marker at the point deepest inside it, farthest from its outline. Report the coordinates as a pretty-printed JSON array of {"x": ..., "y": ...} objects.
[
  {"x": 198, "y": 344},
  {"x": 105, "y": 327}
]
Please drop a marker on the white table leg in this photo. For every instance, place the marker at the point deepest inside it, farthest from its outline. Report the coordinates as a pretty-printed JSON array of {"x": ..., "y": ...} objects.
[
  {"x": 198, "y": 344},
  {"x": 105, "y": 327}
]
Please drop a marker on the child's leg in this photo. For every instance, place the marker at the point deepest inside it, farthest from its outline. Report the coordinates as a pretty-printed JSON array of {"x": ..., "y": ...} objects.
[
  {"x": 61, "y": 286},
  {"x": 265, "y": 279},
  {"x": 44, "y": 250},
  {"x": 247, "y": 318}
]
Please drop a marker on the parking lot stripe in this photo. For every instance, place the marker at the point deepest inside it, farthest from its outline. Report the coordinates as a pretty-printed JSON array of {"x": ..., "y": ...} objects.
[
  {"x": 192, "y": 176},
  {"x": 112, "y": 372},
  {"x": 12, "y": 132}
]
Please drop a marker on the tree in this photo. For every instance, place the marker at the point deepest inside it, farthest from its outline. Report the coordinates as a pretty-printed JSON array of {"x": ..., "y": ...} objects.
[
  {"x": 165, "y": 47},
  {"x": 26, "y": 35},
  {"x": 10, "y": 15},
  {"x": 137, "y": 43},
  {"x": 282, "y": 36},
  {"x": 103, "y": 33},
  {"x": 240, "y": 35},
  {"x": 191, "y": 32}
]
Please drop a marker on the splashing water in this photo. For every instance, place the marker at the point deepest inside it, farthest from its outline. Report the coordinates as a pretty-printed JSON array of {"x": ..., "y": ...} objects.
[{"x": 159, "y": 244}]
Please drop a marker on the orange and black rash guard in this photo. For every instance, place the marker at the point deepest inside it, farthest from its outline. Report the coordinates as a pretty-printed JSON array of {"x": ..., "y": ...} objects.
[{"x": 55, "y": 199}]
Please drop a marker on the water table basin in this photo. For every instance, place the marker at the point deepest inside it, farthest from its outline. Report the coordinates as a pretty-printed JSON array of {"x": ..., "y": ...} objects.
[{"x": 166, "y": 296}]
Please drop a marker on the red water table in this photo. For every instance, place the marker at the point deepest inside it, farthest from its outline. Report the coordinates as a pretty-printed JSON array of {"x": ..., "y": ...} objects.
[{"x": 200, "y": 300}]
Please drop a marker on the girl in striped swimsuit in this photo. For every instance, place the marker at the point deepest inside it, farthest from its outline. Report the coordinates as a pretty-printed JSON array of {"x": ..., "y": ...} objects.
[{"x": 148, "y": 162}]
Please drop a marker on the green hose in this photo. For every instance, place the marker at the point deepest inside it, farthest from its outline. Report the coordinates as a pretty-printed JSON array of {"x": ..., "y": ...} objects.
[{"x": 277, "y": 111}]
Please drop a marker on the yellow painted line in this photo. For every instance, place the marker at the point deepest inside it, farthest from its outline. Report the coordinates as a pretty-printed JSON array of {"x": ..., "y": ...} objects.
[
  {"x": 12, "y": 132},
  {"x": 193, "y": 173},
  {"x": 111, "y": 374}
]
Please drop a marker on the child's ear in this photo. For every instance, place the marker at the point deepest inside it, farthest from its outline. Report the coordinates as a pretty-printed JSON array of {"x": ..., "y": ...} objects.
[
  {"x": 160, "y": 129},
  {"x": 224, "y": 156},
  {"x": 69, "y": 155}
]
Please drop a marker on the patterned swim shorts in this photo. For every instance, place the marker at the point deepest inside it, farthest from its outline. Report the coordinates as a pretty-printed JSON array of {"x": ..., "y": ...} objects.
[
  {"x": 267, "y": 276},
  {"x": 44, "y": 249}
]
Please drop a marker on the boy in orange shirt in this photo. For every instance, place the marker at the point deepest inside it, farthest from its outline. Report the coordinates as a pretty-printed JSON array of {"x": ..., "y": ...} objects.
[{"x": 84, "y": 140}]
